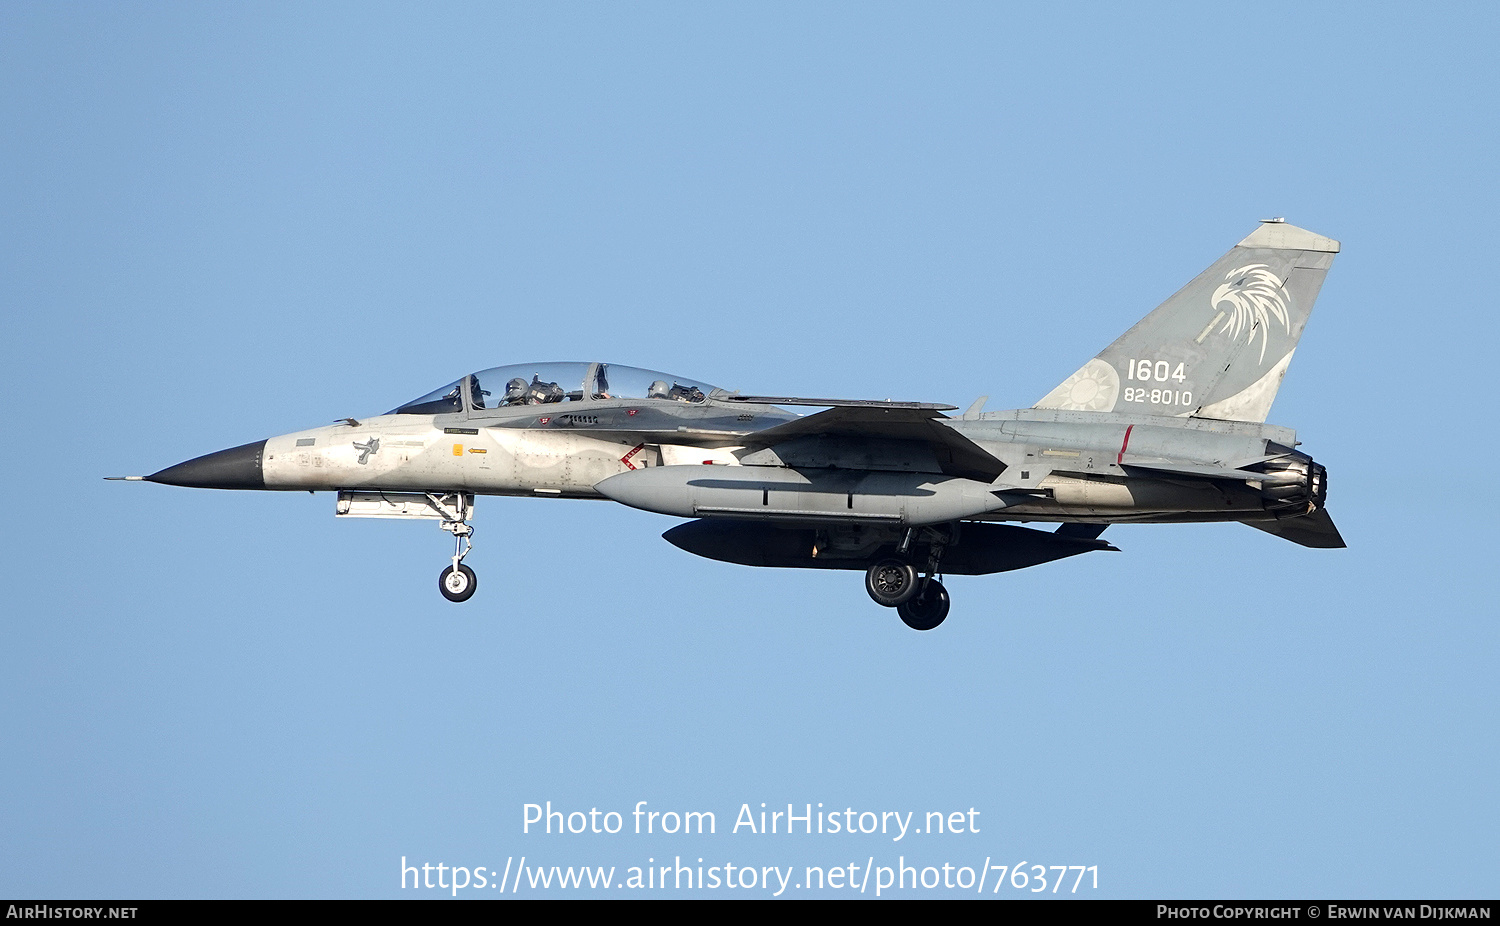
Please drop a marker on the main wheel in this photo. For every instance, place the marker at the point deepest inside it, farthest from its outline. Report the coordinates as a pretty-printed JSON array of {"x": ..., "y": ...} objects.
[
  {"x": 890, "y": 582},
  {"x": 928, "y": 609},
  {"x": 460, "y": 585}
]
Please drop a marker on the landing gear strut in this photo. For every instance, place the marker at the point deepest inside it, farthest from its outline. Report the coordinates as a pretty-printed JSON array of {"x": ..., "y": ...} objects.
[{"x": 457, "y": 582}]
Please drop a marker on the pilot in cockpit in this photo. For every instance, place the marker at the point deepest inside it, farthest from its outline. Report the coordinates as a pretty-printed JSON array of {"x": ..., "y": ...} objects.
[
  {"x": 536, "y": 392},
  {"x": 520, "y": 392},
  {"x": 660, "y": 390},
  {"x": 515, "y": 392}
]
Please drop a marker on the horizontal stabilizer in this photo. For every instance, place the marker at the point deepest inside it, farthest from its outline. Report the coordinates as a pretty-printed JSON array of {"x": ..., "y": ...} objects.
[
  {"x": 956, "y": 454},
  {"x": 1313, "y": 530}
]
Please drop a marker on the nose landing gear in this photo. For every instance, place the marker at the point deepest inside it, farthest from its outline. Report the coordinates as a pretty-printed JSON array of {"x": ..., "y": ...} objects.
[{"x": 457, "y": 582}]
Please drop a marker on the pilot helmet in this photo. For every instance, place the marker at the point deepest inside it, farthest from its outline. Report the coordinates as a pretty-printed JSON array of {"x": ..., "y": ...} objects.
[{"x": 659, "y": 390}]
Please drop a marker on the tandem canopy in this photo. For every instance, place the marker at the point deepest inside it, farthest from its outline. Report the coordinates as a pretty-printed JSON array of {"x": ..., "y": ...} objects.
[{"x": 547, "y": 383}]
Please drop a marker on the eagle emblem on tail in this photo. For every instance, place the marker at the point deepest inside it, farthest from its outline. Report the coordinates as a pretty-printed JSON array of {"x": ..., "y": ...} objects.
[{"x": 1250, "y": 298}]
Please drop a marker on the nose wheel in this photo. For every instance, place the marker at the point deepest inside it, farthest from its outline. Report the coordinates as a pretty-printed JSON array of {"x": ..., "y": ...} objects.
[{"x": 457, "y": 582}]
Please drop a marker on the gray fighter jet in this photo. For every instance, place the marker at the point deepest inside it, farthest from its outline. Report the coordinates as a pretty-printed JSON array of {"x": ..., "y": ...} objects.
[{"x": 1165, "y": 425}]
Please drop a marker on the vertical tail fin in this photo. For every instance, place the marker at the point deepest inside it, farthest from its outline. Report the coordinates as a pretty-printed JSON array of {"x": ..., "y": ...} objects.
[{"x": 1219, "y": 347}]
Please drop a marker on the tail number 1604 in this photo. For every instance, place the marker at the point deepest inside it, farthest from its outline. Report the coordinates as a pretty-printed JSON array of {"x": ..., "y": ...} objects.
[{"x": 1160, "y": 371}]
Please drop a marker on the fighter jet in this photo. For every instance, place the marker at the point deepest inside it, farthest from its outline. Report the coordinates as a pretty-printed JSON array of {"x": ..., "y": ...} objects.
[{"x": 1165, "y": 425}]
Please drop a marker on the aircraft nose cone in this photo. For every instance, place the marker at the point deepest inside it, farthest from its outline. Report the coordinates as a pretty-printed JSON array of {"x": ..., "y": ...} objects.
[{"x": 235, "y": 468}]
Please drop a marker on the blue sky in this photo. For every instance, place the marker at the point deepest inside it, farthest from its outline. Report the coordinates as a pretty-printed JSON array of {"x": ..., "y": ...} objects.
[{"x": 228, "y": 222}]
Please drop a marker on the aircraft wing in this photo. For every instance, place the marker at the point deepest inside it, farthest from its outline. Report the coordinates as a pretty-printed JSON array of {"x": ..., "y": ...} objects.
[
  {"x": 956, "y": 454},
  {"x": 1313, "y": 530}
]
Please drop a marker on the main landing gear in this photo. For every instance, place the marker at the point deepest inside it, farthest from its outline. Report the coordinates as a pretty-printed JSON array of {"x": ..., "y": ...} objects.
[
  {"x": 921, "y": 601},
  {"x": 927, "y": 608},
  {"x": 457, "y": 582}
]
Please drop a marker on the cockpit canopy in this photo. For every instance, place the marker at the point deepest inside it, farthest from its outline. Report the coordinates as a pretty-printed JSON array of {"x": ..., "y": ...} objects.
[{"x": 549, "y": 383}]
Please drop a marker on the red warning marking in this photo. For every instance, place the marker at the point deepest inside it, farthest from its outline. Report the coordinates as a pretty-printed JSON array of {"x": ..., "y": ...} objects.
[
  {"x": 543, "y": 420},
  {"x": 632, "y": 452},
  {"x": 631, "y": 413},
  {"x": 1120, "y": 457}
]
